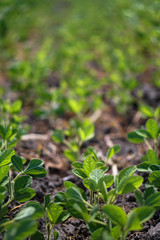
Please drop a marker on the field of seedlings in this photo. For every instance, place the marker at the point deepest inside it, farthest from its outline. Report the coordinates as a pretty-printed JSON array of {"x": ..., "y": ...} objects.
[{"x": 79, "y": 120}]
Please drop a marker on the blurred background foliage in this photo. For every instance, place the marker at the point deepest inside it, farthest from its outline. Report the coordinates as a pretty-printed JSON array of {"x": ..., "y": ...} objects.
[{"x": 70, "y": 56}]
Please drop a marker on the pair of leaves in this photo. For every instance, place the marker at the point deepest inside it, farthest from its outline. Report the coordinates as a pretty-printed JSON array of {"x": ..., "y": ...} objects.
[
  {"x": 134, "y": 219},
  {"x": 126, "y": 182},
  {"x": 152, "y": 131},
  {"x": 90, "y": 163}
]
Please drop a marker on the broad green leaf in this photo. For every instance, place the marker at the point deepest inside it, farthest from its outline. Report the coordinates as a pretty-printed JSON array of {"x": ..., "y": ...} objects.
[
  {"x": 146, "y": 110},
  {"x": 68, "y": 184},
  {"x": 21, "y": 230},
  {"x": 96, "y": 174},
  {"x": 35, "y": 168},
  {"x": 153, "y": 200},
  {"x": 22, "y": 182},
  {"x": 77, "y": 209},
  {"x": 37, "y": 236},
  {"x": 134, "y": 137},
  {"x": 24, "y": 194},
  {"x": 154, "y": 178},
  {"x": 39, "y": 209},
  {"x": 143, "y": 167},
  {"x": 77, "y": 164},
  {"x": 2, "y": 131},
  {"x": 63, "y": 216},
  {"x": 116, "y": 214},
  {"x": 71, "y": 155},
  {"x": 57, "y": 136},
  {"x": 107, "y": 179},
  {"x": 129, "y": 184},
  {"x": 139, "y": 197},
  {"x": 5, "y": 157},
  {"x": 60, "y": 198},
  {"x": 149, "y": 191},
  {"x": 102, "y": 234},
  {"x": 152, "y": 157},
  {"x": 33, "y": 164},
  {"x": 3, "y": 172},
  {"x": 17, "y": 162},
  {"x": 129, "y": 171},
  {"x": 113, "y": 150},
  {"x": 116, "y": 232},
  {"x": 25, "y": 213},
  {"x": 47, "y": 199},
  {"x": 79, "y": 173},
  {"x": 89, "y": 165},
  {"x": 152, "y": 128},
  {"x": 55, "y": 234},
  {"x": 144, "y": 213},
  {"x": 90, "y": 184},
  {"x": 133, "y": 222},
  {"x": 73, "y": 192},
  {"x": 54, "y": 211}
]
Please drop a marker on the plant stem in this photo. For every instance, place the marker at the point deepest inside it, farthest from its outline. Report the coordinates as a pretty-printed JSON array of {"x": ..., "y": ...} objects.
[
  {"x": 87, "y": 203},
  {"x": 99, "y": 222},
  {"x": 148, "y": 144}
]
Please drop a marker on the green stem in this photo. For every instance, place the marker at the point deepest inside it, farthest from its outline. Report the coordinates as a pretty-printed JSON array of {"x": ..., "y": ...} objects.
[
  {"x": 148, "y": 144},
  {"x": 87, "y": 203},
  {"x": 99, "y": 222},
  {"x": 91, "y": 197},
  {"x": 13, "y": 181},
  {"x": 6, "y": 204}
]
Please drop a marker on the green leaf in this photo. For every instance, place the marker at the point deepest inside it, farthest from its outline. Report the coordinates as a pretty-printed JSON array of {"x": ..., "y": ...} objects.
[
  {"x": 77, "y": 209},
  {"x": 133, "y": 222},
  {"x": 68, "y": 184},
  {"x": 5, "y": 157},
  {"x": 102, "y": 234},
  {"x": 129, "y": 184},
  {"x": 25, "y": 213},
  {"x": 152, "y": 128},
  {"x": 146, "y": 110},
  {"x": 17, "y": 162},
  {"x": 16, "y": 106},
  {"x": 60, "y": 198},
  {"x": 129, "y": 171},
  {"x": 58, "y": 136},
  {"x": 24, "y": 194},
  {"x": 73, "y": 192},
  {"x": 135, "y": 137},
  {"x": 35, "y": 168},
  {"x": 21, "y": 230},
  {"x": 144, "y": 213},
  {"x": 153, "y": 200},
  {"x": 107, "y": 179},
  {"x": 152, "y": 157},
  {"x": 139, "y": 197},
  {"x": 89, "y": 165},
  {"x": 2, "y": 131},
  {"x": 47, "y": 199},
  {"x": 113, "y": 150},
  {"x": 39, "y": 209},
  {"x": 79, "y": 173},
  {"x": 77, "y": 165},
  {"x": 116, "y": 214},
  {"x": 55, "y": 234},
  {"x": 3, "y": 172},
  {"x": 54, "y": 211},
  {"x": 71, "y": 155},
  {"x": 22, "y": 182},
  {"x": 154, "y": 178},
  {"x": 38, "y": 236}
]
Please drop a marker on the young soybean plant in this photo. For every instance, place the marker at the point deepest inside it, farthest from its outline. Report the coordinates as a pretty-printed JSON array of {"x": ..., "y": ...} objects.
[
  {"x": 97, "y": 208},
  {"x": 151, "y": 161},
  {"x": 74, "y": 137},
  {"x": 18, "y": 189}
]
